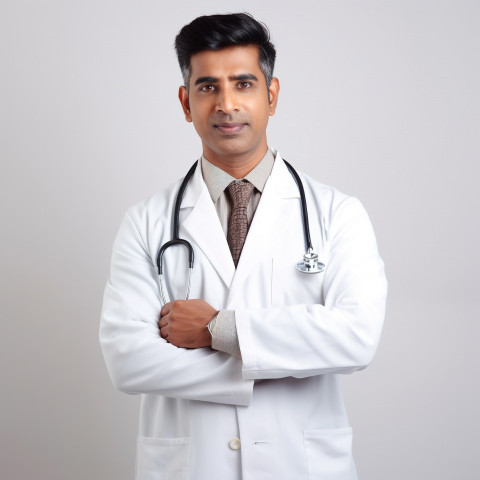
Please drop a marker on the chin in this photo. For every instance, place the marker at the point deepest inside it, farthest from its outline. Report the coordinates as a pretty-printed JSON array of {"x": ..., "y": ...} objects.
[{"x": 231, "y": 148}]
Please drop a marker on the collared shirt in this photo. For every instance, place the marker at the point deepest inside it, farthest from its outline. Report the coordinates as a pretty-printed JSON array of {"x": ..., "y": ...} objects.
[
  {"x": 224, "y": 331},
  {"x": 217, "y": 180}
]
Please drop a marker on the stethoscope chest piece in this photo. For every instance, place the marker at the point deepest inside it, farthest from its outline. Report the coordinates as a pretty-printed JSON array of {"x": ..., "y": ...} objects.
[{"x": 310, "y": 263}]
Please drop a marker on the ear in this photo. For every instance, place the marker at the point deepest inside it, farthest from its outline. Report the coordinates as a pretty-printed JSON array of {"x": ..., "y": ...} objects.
[
  {"x": 183, "y": 97},
  {"x": 274, "y": 90}
]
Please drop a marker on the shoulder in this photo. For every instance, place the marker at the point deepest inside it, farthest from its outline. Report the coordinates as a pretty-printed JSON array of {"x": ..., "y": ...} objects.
[
  {"x": 325, "y": 193},
  {"x": 315, "y": 191},
  {"x": 324, "y": 200},
  {"x": 157, "y": 206},
  {"x": 336, "y": 207},
  {"x": 144, "y": 219}
]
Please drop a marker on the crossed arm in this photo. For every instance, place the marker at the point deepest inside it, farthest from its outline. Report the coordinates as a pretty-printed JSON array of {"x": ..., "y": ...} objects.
[{"x": 338, "y": 337}]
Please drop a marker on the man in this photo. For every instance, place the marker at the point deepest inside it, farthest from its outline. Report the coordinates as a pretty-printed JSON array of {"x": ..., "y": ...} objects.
[{"x": 241, "y": 381}]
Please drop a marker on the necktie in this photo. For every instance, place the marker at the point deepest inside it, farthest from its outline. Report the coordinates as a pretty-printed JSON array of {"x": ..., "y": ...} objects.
[{"x": 240, "y": 192}]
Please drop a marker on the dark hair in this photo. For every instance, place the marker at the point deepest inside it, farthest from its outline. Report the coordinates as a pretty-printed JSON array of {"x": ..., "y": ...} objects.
[{"x": 214, "y": 32}]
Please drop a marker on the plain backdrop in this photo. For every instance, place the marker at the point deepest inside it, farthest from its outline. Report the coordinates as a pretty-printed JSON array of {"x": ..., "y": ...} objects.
[{"x": 378, "y": 98}]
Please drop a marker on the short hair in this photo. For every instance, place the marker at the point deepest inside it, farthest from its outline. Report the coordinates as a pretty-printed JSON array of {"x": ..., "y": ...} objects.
[{"x": 214, "y": 32}]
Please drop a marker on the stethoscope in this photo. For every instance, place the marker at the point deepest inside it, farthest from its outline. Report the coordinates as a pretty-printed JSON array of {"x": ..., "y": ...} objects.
[{"x": 310, "y": 263}]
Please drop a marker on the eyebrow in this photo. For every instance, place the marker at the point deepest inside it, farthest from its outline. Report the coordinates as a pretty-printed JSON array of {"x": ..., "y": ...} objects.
[{"x": 240, "y": 77}]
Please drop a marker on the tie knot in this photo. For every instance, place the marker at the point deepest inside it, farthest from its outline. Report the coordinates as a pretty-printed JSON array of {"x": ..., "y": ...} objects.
[{"x": 240, "y": 192}]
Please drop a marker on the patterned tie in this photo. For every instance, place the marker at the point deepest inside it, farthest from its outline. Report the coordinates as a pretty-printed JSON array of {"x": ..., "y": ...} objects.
[{"x": 240, "y": 192}]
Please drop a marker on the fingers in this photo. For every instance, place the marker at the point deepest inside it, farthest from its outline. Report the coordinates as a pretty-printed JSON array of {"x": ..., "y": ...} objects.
[
  {"x": 163, "y": 326},
  {"x": 162, "y": 322},
  {"x": 166, "y": 309},
  {"x": 164, "y": 332}
]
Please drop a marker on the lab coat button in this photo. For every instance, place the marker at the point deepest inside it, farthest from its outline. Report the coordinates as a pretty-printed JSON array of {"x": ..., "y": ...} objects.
[{"x": 234, "y": 444}]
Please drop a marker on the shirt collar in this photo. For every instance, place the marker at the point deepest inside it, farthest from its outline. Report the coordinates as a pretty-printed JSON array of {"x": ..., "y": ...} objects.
[{"x": 217, "y": 180}]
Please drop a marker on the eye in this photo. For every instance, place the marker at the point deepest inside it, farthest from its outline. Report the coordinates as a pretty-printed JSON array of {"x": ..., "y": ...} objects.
[
  {"x": 207, "y": 88},
  {"x": 244, "y": 85}
]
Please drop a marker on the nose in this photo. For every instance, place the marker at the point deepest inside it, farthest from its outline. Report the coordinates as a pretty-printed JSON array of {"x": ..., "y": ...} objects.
[{"x": 227, "y": 101}]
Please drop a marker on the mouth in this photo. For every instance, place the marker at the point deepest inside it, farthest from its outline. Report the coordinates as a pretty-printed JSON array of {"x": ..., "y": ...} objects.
[{"x": 230, "y": 128}]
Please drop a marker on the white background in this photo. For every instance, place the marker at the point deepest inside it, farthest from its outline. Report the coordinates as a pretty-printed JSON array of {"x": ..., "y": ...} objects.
[{"x": 379, "y": 98}]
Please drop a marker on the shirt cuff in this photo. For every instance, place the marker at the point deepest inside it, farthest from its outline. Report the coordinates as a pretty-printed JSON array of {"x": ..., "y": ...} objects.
[{"x": 224, "y": 333}]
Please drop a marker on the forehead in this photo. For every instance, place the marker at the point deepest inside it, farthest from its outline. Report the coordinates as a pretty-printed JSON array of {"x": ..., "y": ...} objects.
[{"x": 225, "y": 62}]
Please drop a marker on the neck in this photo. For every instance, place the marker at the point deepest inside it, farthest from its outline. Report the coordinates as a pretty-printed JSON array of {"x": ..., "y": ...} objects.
[{"x": 236, "y": 165}]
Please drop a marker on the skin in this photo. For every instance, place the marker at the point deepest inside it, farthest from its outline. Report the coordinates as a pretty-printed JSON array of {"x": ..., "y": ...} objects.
[
  {"x": 229, "y": 104},
  {"x": 228, "y": 88},
  {"x": 183, "y": 323}
]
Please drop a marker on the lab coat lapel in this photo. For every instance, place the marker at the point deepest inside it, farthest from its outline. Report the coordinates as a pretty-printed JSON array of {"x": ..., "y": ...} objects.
[
  {"x": 277, "y": 205},
  {"x": 200, "y": 223}
]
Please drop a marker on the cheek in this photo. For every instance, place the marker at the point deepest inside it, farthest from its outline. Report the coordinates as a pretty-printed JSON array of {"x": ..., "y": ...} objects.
[
  {"x": 199, "y": 119},
  {"x": 261, "y": 117},
  {"x": 260, "y": 109},
  {"x": 199, "y": 110}
]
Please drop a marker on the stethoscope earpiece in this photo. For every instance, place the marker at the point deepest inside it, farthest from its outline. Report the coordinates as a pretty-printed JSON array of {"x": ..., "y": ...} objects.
[{"x": 310, "y": 263}]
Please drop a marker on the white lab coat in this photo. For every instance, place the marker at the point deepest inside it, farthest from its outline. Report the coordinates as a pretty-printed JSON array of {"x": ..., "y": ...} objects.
[{"x": 296, "y": 332}]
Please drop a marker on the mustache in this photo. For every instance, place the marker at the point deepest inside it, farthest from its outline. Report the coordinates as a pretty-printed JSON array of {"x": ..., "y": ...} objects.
[{"x": 219, "y": 118}]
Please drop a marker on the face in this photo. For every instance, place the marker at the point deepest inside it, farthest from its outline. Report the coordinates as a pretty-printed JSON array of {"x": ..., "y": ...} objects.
[{"x": 229, "y": 103}]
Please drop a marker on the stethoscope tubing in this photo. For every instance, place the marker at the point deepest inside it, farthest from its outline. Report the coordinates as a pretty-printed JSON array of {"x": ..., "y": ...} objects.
[
  {"x": 176, "y": 240},
  {"x": 303, "y": 201},
  {"x": 310, "y": 258}
]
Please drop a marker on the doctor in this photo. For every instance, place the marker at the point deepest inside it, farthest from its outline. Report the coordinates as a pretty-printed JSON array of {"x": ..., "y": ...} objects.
[{"x": 241, "y": 381}]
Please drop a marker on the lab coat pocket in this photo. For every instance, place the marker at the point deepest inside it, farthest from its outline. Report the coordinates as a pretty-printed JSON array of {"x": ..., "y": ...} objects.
[
  {"x": 329, "y": 454},
  {"x": 162, "y": 458}
]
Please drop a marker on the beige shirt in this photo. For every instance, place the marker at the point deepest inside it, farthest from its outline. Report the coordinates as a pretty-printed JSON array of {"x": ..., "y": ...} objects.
[
  {"x": 224, "y": 331},
  {"x": 218, "y": 180}
]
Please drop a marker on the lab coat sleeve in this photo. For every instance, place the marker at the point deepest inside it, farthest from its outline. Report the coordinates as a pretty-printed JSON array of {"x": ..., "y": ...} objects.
[
  {"x": 339, "y": 336},
  {"x": 138, "y": 359}
]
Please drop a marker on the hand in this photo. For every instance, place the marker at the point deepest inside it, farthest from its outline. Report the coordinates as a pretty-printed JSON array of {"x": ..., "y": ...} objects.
[{"x": 183, "y": 323}]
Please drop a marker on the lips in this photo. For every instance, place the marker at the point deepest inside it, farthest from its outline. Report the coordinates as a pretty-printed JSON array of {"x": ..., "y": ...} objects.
[{"x": 230, "y": 128}]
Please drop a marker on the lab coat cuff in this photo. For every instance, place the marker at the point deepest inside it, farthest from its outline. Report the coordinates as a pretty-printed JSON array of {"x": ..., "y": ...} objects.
[{"x": 245, "y": 340}]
